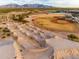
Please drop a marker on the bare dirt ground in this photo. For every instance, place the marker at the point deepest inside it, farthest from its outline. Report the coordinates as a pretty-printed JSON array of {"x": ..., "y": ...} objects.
[
  {"x": 56, "y": 43},
  {"x": 49, "y": 22},
  {"x": 7, "y": 50}
]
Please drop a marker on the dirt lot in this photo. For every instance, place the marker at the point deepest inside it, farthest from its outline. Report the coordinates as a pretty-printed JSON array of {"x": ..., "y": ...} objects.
[{"x": 49, "y": 22}]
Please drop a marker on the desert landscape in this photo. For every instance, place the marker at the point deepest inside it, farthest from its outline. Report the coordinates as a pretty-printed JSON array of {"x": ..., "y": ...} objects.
[
  {"x": 39, "y": 29},
  {"x": 35, "y": 35},
  {"x": 51, "y": 22}
]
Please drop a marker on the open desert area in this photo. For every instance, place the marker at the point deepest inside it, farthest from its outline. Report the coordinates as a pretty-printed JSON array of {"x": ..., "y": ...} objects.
[
  {"x": 54, "y": 22},
  {"x": 38, "y": 34},
  {"x": 39, "y": 29}
]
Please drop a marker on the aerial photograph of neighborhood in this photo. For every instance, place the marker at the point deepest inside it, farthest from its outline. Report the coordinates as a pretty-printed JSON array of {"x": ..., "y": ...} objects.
[{"x": 39, "y": 29}]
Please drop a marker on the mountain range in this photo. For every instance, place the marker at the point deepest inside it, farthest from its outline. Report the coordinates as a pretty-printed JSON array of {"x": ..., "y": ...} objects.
[{"x": 25, "y": 6}]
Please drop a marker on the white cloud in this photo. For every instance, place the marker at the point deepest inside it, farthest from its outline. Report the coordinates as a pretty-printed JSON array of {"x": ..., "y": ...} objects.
[
  {"x": 58, "y": 3},
  {"x": 66, "y": 3}
]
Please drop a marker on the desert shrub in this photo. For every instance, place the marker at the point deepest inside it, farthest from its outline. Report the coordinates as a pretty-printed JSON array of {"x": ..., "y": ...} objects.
[
  {"x": 4, "y": 32},
  {"x": 73, "y": 37},
  {"x": 18, "y": 18}
]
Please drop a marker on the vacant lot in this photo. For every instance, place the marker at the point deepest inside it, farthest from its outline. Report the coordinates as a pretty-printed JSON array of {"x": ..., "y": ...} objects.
[{"x": 49, "y": 22}]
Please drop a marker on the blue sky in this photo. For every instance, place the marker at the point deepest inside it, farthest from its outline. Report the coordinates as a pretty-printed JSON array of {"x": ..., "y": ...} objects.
[{"x": 57, "y": 3}]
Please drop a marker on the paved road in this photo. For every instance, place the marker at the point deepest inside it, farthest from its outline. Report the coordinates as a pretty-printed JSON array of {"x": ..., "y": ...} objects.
[{"x": 7, "y": 50}]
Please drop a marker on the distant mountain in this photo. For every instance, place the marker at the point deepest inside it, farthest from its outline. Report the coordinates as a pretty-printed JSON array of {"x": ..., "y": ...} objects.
[
  {"x": 25, "y": 6},
  {"x": 36, "y": 6},
  {"x": 10, "y": 6}
]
